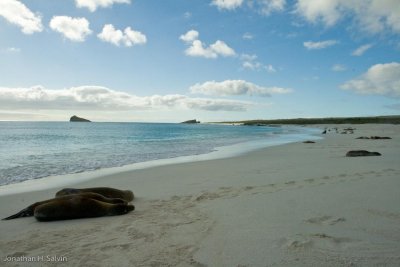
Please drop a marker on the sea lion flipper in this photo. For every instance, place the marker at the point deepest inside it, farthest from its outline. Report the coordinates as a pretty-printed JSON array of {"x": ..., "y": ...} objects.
[{"x": 23, "y": 213}]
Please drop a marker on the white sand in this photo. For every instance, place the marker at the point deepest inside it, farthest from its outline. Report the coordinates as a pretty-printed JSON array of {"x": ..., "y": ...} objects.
[{"x": 290, "y": 205}]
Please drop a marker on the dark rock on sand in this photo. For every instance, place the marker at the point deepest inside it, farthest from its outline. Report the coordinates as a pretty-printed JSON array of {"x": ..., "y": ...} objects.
[
  {"x": 78, "y": 119},
  {"x": 309, "y": 142},
  {"x": 361, "y": 153}
]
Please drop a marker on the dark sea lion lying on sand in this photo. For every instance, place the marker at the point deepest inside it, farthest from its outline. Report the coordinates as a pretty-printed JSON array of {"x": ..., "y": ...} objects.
[
  {"x": 78, "y": 206},
  {"x": 109, "y": 192},
  {"x": 29, "y": 211},
  {"x": 361, "y": 153}
]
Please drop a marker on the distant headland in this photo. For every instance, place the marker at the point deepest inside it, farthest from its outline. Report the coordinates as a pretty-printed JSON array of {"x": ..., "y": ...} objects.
[
  {"x": 338, "y": 120},
  {"x": 78, "y": 119}
]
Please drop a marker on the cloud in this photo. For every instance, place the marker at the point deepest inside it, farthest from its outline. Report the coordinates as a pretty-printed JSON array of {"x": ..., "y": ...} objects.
[
  {"x": 265, "y": 7},
  {"x": 270, "y": 68},
  {"x": 373, "y": 16},
  {"x": 92, "y": 5},
  {"x": 227, "y": 4},
  {"x": 190, "y": 36},
  {"x": 248, "y": 36},
  {"x": 380, "y": 79},
  {"x": 102, "y": 98},
  {"x": 217, "y": 104},
  {"x": 128, "y": 38},
  {"x": 221, "y": 48},
  {"x": 187, "y": 15},
  {"x": 17, "y": 13},
  {"x": 11, "y": 50},
  {"x": 235, "y": 87},
  {"x": 198, "y": 49},
  {"x": 319, "y": 45},
  {"x": 250, "y": 62},
  {"x": 361, "y": 50},
  {"x": 339, "y": 67},
  {"x": 74, "y": 29}
]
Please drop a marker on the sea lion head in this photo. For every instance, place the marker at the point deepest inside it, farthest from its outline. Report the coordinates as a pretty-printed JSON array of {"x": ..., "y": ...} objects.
[
  {"x": 129, "y": 196},
  {"x": 119, "y": 209},
  {"x": 68, "y": 191}
]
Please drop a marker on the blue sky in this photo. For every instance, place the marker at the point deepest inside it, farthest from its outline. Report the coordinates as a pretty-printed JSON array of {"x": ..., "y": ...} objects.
[{"x": 172, "y": 60}]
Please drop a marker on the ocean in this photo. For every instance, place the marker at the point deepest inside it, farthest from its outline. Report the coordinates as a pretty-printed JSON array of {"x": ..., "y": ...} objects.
[{"x": 32, "y": 150}]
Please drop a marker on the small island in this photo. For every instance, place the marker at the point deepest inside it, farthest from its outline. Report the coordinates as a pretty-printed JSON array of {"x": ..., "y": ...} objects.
[
  {"x": 191, "y": 121},
  {"x": 78, "y": 119}
]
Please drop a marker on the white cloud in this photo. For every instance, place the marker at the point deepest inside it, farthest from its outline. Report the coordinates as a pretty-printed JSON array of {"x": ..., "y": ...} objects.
[
  {"x": 250, "y": 62},
  {"x": 92, "y": 5},
  {"x": 248, "y": 36},
  {"x": 235, "y": 87},
  {"x": 102, "y": 98},
  {"x": 248, "y": 57},
  {"x": 252, "y": 65},
  {"x": 380, "y": 79},
  {"x": 221, "y": 48},
  {"x": 190, "y": 36},
  {"x": 372, "y": 16},
  {"x": 270, "y": 68},
  {"x": 265, "y": 7},
  {"x": 361, "y": 50},
  {"x": 198, "y": 49},
  {"x": 17, "y": 13},
  {"x": 11, "y": 50},
  {"x": 319, "y": 45},
  {"x": 339, "y": 67},
  {"x": 217, "y": 104},
  {"x": 129, "y": 37},
  {"x": 227, "y": 4},
  {"x": 74, "y": 29}
]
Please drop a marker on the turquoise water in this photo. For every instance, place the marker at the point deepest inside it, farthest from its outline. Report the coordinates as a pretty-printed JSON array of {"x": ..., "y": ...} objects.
[{"x": 31, "y": 150}]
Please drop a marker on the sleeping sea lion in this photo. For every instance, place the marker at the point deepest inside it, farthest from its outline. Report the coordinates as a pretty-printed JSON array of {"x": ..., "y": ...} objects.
[
  {"x": 29, "y": 211},
  {"x": 109, "y": 192},
  {"x": 78, "y": 207}
]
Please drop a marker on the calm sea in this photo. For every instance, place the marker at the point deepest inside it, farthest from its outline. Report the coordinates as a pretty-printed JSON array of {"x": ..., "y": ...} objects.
[{"x": 31, "y": 150}]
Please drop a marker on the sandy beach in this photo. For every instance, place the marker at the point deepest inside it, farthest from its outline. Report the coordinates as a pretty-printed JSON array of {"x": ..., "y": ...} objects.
[{"x": 289, "y": 205}]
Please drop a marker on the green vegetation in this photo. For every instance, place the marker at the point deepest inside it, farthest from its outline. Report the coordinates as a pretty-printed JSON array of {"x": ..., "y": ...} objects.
[{"x": 351, "y": 120}]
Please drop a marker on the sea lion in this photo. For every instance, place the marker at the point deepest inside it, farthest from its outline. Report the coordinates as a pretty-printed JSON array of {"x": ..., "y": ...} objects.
[
  {"x": 29, "y": 211},
  {"x": 78, "y": 206},
  {"x": 361, "y": 153},
  {"x": 109, "y": 192}
]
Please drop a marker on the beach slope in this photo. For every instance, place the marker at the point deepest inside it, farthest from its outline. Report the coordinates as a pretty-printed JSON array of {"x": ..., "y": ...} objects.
[{"x": 290, "y": 205}]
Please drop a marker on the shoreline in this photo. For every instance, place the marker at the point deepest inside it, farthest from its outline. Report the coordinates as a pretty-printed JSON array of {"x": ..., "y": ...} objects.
[
  {"x": 311, "y": 133},
  {"x": 288, "y": 205}
]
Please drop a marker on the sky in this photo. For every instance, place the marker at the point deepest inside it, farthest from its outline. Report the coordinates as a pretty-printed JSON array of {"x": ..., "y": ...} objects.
[{"x": 210, "y": 60}]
